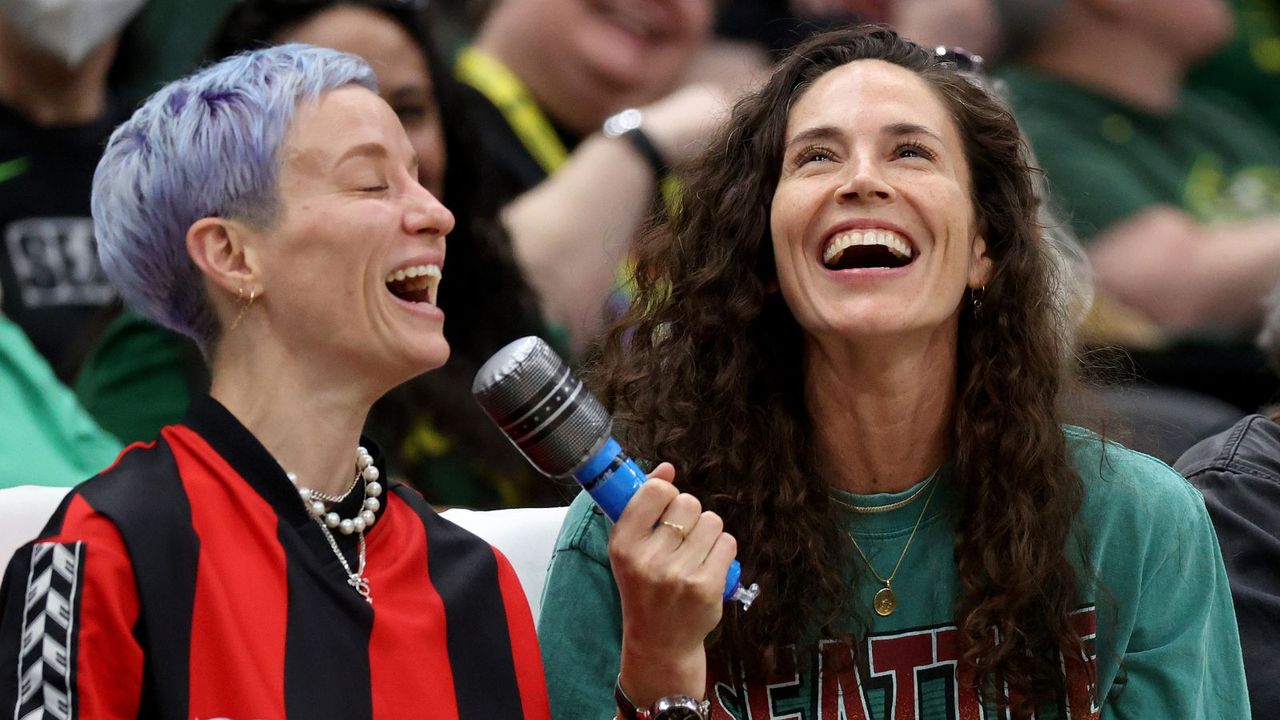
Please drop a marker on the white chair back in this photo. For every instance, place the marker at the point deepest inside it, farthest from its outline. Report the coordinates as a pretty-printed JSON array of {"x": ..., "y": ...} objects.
[{"x": 527, "y": 536}]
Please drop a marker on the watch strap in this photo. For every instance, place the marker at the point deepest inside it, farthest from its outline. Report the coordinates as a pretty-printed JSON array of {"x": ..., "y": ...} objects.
[
  {"x": 644, "y": 145},
  {"x": 681, "y": 704},
  {"x": 627, "y": 710}
]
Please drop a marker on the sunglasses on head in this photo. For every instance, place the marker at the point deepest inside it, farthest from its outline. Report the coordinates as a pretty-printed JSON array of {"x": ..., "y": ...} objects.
[{"x": 958, "y": 59}]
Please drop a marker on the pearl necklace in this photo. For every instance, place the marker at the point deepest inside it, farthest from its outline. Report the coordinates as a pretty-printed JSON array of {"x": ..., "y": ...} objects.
[{"x": 314, "y": 502}]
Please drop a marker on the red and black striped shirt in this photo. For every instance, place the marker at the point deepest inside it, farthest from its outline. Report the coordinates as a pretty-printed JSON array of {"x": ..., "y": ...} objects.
[{"x": 188, "y": 581}]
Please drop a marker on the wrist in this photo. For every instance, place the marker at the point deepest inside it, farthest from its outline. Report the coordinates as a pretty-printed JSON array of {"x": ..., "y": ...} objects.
[
  {"x": 647, "y": 675},
  {"x": 628, "y": 126},
  {"x": 670, "y": 707}
]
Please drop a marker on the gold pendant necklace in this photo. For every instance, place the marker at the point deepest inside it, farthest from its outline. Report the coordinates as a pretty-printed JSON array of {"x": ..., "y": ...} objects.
[{"x": 886, "y": 600}]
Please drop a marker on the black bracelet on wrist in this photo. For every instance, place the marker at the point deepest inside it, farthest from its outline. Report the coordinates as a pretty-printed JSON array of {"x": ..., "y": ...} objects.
[{"x": 641, "y": 142}]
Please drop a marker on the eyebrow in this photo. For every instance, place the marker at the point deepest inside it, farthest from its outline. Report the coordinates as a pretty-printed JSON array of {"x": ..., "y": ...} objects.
[
  {"x": 368, "y": 149},
  {"x": 375, "y": 150},
  {"x": 900, "y": 129},
  {"x": 827, "y": 132}
]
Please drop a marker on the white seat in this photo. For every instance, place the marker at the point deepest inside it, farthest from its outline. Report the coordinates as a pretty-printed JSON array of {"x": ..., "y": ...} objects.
[
  {"x": 525, "y": 535},
  {"x": 24, "y": 510}
]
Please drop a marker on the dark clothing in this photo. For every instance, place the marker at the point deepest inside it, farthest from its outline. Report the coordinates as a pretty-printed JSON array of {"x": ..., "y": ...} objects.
[
  {"x": 511, "y": 169},
  {"x": 188, "y": 581},
  {"x": 54, "y": 287},
  {"x": 1239, "y": 473}
]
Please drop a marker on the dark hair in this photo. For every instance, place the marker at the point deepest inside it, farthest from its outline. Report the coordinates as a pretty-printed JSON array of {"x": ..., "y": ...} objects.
[
  {"x": 705, "y": 369},
  {"x": 484, "y": 295}
]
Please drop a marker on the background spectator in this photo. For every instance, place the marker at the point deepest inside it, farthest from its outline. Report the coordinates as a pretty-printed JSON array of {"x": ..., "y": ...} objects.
[
  {"x": 55, "y": 114},
  {"x": 1177, "y": 191},
  {"x": 46, "y": 438},
  {"x": 1238, "y": 471}
]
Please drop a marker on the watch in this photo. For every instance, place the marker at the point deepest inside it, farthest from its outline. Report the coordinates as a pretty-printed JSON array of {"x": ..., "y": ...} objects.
[
  {"x": 627, "y": 124},
  {"x": 672, "y": 707}
]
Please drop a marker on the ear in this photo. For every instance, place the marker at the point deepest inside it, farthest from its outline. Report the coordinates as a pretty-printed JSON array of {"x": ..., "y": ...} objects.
[
  {"x": 224, "y": 252},
  {"x": 979, "y": 263}
]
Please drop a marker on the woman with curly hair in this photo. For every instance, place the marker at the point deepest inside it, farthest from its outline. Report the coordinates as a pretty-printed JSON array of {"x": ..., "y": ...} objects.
[{"x": 851, "y": 343}]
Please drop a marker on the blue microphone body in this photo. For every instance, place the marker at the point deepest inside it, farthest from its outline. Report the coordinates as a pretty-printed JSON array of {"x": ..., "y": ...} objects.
[
  {"x": 560, "y": 427},
  {"x": 611, "y": 477}
]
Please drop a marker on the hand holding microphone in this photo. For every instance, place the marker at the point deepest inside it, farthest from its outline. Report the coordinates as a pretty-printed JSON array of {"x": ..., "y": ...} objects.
[{"x": 563, "y": 430}]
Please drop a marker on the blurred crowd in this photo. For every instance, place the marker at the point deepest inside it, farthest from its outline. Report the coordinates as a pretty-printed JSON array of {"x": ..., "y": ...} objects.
[{"x": 1156, "y": 122}]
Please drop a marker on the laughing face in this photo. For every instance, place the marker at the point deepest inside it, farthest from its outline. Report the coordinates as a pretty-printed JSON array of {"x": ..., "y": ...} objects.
[
  {"x": 352, "y": 265},
  {"x": 874, "y": 232}
]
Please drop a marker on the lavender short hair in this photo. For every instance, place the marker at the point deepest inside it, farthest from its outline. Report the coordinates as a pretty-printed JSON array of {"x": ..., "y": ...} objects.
[{"x": 202, "y": 146}]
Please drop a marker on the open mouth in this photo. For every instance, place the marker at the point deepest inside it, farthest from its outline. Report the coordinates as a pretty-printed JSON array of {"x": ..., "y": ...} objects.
[
  {"x": 865, "y": 249},
  {"x": 415, "y": 284}
]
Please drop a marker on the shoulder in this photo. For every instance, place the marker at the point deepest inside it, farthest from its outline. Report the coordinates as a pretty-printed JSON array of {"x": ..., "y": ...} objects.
[
  {"x": 1042, "y": 102},
  {"x": 1128, "y": 494},
  {"x": 585, "y": 530},
  {"x": 1251, "y": 447}
]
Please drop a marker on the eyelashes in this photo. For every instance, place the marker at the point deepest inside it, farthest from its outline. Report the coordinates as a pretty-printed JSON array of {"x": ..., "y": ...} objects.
[{"x": 822, "y": 153}]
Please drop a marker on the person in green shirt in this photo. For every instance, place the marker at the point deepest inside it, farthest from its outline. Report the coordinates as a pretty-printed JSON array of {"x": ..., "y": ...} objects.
[
  {"x": 46, "y": 438},
  {"x": 851, "y": 344},
  {"x": 1175, "y": 188}
]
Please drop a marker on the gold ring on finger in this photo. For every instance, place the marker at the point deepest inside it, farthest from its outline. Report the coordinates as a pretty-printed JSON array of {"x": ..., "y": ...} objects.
[{"x": 680, "y": 529}]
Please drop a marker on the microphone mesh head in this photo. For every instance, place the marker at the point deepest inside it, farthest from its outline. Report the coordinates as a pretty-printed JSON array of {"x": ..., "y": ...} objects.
[{"x": 529, "y": 392}]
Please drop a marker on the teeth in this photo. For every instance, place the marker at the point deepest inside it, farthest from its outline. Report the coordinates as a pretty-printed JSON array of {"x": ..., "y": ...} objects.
[
  {"x": 414, "y": 271},
  {"x": 416, "y": 278},
  {"x": 885, "y": 238}
]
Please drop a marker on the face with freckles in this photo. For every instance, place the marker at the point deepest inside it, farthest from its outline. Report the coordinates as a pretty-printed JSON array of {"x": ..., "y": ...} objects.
[
  {"x": 874, "y": 231},
  {"x": 349, "y": 269}
]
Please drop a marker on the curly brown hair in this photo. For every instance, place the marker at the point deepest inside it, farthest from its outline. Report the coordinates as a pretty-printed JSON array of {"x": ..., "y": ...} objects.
[{"x": 705, "y": 369}]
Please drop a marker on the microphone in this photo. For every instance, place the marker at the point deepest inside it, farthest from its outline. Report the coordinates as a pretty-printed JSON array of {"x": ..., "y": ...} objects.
[{"x": 562, "y": 429}]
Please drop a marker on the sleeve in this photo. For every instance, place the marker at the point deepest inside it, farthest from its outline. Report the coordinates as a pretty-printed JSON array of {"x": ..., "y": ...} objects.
[
  {"x": 1182, "y": 658},
  {"x": 524, "y": 643},
  {"x": 1245, "y": 507},
  {"x": 581, "y": 622},
  {"x": 69, "y": 607}
]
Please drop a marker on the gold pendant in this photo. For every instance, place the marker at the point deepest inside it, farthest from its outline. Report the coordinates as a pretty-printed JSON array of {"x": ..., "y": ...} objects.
[{"x": 885, "y": 601}]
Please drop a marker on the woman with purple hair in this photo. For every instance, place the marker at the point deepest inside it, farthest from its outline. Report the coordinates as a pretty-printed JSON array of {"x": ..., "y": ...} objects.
[{"x": 252, "y": 562}]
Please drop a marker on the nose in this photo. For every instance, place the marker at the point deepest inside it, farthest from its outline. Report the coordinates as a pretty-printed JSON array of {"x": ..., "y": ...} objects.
[
  {"x": 863, "y": 181},
  {"x": 426, "y": 215}
]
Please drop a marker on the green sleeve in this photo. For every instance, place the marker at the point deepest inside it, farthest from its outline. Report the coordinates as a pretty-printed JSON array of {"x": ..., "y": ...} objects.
[
  {"x": 580, "y": 628},
  {"x": 1182, "y": 657},
  {"x": 139, "y": 378},
  {"x": 46, "y": 438}
]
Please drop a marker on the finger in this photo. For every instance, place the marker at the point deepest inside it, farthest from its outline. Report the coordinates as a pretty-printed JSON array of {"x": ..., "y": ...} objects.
[
  {"x": 723, "y": 551},
  {"x": 678, "y": 520},
  {"x": 664, "y": 471},
  {"x": 644, "y": 509},
  {"x": 702, "y": 536}
]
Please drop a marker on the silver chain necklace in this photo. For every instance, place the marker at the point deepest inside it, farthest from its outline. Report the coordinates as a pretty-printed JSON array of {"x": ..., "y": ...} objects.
[{"x": 328, "y": 520}]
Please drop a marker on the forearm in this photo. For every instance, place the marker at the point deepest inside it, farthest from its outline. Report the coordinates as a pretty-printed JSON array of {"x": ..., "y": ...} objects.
[
  {"x": 1238, "y": 265},
  {"x": 1183, "y": 274},
  {"x": 572, "y": 231}
]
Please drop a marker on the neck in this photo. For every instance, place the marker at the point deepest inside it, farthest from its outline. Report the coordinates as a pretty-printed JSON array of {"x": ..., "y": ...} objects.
[
  {"x": 308, "y": 422},
  {"x": 43, "y": 88},
  {"x": 575, "y": 103},
  {"x": 881, "y": 415},
  {"x": 1112, "y": 59}
]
